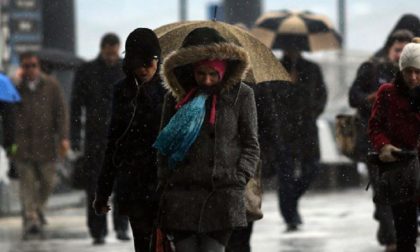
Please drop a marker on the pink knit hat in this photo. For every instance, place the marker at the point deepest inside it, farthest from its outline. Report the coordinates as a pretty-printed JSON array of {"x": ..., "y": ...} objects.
[{"x": 217, "y": 64}]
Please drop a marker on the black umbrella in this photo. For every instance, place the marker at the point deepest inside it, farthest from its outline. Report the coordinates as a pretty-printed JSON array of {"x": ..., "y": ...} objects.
[
  {"x": 52, "y": 59},
  {"x": 305, "y": 31}
]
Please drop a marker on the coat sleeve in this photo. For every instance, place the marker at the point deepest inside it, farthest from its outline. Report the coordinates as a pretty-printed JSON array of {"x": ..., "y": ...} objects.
[
  {"x": 77, "y": 103},
  {"x": 359, "y": 90},
  {"x": 320, "y": 94},
  {"x": 115, "y": 131},
  {"x": 61, "y": 115},
  {"x": 167, "y": 112},
  {"x": 378, "y": 121},
  {"x": 7, "y": 119},
  {"x": 248, "y": 130}
]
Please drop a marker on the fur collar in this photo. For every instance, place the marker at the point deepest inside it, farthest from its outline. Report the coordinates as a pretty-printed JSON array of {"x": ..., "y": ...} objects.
[{"x": 238, "y": 64}]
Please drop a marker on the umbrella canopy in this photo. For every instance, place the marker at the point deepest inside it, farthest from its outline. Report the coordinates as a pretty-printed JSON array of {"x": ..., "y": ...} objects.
[
  {"x": 305, "y": 31},
  {"x": 8, "y": 92},
  {"x": 264, "y": 65},
  {"x": 58, "y": 59}
]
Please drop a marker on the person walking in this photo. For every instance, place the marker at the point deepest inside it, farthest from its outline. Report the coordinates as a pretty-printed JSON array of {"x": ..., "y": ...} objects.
[
  {"x": 208, "y": 147},
  {"x": 299, "y": 155},
  {"x": 92, "y": 93},
  {"x": 394, "y": 125},
  {"x": 370, "y": 76},
  {"x": 41, "y": 119},
  {"x": 130, "y": 162}
]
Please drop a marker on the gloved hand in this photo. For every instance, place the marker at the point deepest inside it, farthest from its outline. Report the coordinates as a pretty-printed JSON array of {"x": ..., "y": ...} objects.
[
  {"x": 101, "y": 206},
  {"x": 385, "y": 155}
]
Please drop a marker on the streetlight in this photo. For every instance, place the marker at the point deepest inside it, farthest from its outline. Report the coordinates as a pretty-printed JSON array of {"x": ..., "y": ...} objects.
[{"x": 183, "y": 10}]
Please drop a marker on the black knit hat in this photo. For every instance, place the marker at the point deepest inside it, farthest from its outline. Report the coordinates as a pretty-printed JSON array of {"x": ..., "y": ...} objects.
[
  {"x": 141, "y": 47},
  {"x": 202, "y": 36}
]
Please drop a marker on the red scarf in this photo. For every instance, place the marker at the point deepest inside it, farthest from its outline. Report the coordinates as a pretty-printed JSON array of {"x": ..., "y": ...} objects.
[{"x": 212, "y": 119}]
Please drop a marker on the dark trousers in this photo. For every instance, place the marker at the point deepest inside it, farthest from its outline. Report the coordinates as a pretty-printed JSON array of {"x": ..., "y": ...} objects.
[
  {"x": 294, "y": 178},
  {"x": 386, "y": 230},
  {"x": 142, "y": 221},
  {"x": 383, "y": 214},
  {"x": 240, "y": 239},
  {"x": 97, "y": 224},
  {"x": 405, "y": 221}
]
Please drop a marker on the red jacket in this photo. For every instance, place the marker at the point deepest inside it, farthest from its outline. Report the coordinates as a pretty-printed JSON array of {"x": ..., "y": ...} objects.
[{"x": 393, "y": 121}]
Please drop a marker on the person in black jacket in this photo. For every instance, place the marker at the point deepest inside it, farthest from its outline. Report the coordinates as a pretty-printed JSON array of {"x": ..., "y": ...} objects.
[
  {"x": 370, "y": 76},
  {"x": 130, "y": 161},
  {"x": 92, "y": 93},
  {"x": 299, "y": 154}
]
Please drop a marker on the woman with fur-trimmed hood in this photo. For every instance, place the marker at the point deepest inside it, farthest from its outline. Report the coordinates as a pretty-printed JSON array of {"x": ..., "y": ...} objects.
[{"x": 208, "y": 147}]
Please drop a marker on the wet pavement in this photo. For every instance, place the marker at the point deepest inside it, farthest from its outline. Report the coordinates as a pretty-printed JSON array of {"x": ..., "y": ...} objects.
[{"x": 333, "y": 222}]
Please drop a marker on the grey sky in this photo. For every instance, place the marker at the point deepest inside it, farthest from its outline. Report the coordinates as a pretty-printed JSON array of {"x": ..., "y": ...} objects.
[{"x": 368, "y": 21}]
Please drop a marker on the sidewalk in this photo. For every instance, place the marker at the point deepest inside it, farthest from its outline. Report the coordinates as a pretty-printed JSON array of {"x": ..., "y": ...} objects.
[
  {"x": 338, "y": 221},
  {"x": 10, "y": 204}
]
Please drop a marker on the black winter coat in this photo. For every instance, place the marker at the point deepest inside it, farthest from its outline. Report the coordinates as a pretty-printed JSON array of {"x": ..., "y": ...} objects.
[
  {"x": 92, "y": 92},
  {"x": 309, "y": 97},
  {"x": 130, "y": 160},
  {"x": 272, "y": 100},
  {"x": 370, "y": 76}
]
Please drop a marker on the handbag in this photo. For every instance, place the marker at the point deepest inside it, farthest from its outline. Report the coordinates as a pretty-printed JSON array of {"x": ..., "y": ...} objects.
[
  {"x": 253, "y": 196},
  {"x": 346, "y": 134},
  {"x": 395, "y": 182}
]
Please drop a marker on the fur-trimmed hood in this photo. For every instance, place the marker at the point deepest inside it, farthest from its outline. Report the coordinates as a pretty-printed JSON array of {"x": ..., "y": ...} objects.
[{"x": 177, "y": 68}]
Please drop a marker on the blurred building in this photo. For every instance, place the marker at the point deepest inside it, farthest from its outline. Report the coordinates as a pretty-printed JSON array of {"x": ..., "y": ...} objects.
[
  {"x": 37, "y": 24},
  {"x": 40, "y": 25}
]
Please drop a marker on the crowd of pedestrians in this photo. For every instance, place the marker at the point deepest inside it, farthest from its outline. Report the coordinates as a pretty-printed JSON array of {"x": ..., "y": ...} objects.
[{"x": 174, "y": 141}]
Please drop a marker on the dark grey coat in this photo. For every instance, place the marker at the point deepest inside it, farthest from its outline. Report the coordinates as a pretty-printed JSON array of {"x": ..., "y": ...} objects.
[{"x": 206, "y": 191}]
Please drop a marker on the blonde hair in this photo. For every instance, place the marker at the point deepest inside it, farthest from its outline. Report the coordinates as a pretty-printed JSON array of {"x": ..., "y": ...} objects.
[{"x": 416, "y": 40}]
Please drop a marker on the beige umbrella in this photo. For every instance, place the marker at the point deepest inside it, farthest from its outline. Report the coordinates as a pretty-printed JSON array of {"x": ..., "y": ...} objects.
[
  {"x": 264, "y": 65},
  {"x": 305, "y": 31}
]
